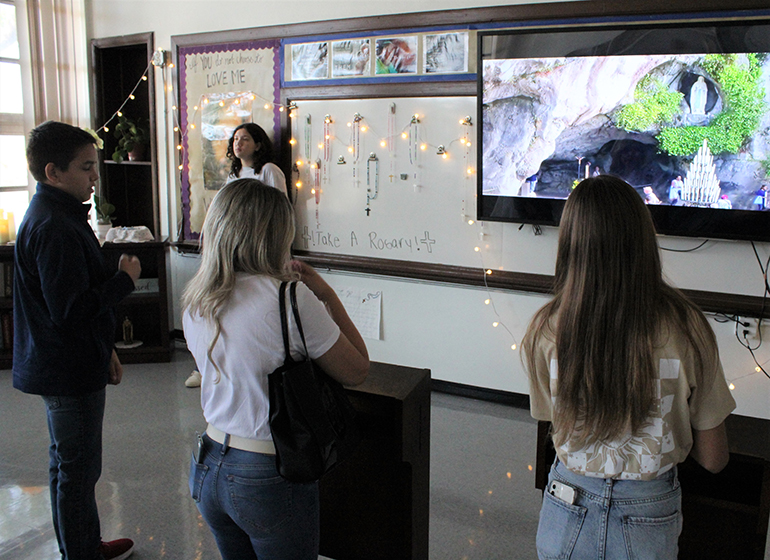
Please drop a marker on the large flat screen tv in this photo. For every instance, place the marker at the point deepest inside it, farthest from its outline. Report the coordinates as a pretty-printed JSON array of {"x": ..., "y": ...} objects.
[{"x": 681, "y": 111}]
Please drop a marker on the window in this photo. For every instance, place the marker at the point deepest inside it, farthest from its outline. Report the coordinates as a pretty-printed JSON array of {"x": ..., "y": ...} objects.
[{"x": 14, "y": 189}]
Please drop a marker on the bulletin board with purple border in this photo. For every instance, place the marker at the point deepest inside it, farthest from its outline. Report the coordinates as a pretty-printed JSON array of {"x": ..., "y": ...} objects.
[{"x": 220, "y": 87}]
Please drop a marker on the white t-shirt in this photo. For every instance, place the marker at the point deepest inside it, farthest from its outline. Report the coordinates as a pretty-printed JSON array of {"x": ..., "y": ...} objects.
[
  {"x": 250, "y": 347},
  {"x": 270, "y": 174}
]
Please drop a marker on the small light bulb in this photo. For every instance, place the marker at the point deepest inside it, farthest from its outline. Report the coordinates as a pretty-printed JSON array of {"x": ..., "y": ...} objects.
[
  {"x": 120, "y": 114},
  {"x": 757, "y": 369},
  {"x": 461, "y": 121},
  {"x": 237, "y": 101},
  {"x": 312, "y": 191},
  {"x": 298, "y": 184},
  {"x": 144, "y": 78},
  {"x": 221, "y": 103},
  {"x": 513, "y": 347},
  {"x": 106, "y": 129},
  {"x": 327, "y": 136},
  {"x": 349, "y": 125},
  {"x": 470, "y": 222},
  {"x": 173, "y": 107},
  {"x": 252, "y": 97},
  {"x": 495, "y": 324},
  {"x": 383, "y": 143},
  {"x": 172, "y": 65},
  {"x": 205, "y": 101},
  {"x": 487, "y": 301},
  {"x": 529, "y": 467},
  {"x": 732, "y": 387},
  {"x": 131, "y": 96},
  {"x": 404, "y": 135},
  {"x": 299, "y": 163},
  {"x": 423, "y": 146},
  {"x": 192, "y": 126},
  {"x": 470, "y": 171},
  {"x": 477, "y": 249},
  {"x": 267, "y": 105},
  {"x": 350, "y": 149},
  {"x": 445, "y": 155},
  {"x": 462, "y": 141},
  {"x": 468, "y": 144},
  {"x": 195, "y": 108},
  {"x": 179, "y": 147},
  {"x": 292, "y": 141},
  {"x": 176, "y": 129},
  {"x": 320, "y": 145},
  {"x": 281, "y": 109},
  {"x": 363, "y": 129},
  {"x": 489, "y": 272},
  {"x": 508, "y": 475},
  {"x": 180, "y": 168}
]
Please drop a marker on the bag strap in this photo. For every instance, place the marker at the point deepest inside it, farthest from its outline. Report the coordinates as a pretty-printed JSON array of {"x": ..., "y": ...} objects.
[
  {"x": 295, "y": 310},
  {"x": 284, "y": 323}
]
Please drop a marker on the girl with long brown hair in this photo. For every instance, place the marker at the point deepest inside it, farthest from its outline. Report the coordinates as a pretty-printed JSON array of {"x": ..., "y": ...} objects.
[{"x": 627, "y": 369}]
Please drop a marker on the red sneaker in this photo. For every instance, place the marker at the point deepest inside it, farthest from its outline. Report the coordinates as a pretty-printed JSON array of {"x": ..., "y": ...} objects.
[{"x": 119, "y": 549}]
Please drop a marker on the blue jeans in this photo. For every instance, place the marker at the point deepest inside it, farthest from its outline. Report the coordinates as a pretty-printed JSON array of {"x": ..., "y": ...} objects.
[
  {"x": 611, "y": 519},
  {"x": 252, "y": 511},
  {"x": 75, "y": 428}
]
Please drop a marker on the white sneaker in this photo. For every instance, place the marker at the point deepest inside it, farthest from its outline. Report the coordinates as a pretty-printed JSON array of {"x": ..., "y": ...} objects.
[{"x": 194, "y": 380}]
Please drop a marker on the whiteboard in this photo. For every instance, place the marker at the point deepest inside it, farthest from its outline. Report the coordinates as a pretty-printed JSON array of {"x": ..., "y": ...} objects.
[{"x": 422, "y": 204}]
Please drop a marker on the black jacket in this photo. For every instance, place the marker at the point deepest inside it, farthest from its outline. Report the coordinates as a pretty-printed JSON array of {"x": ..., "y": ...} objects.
[{"x": 64, "y": 299}]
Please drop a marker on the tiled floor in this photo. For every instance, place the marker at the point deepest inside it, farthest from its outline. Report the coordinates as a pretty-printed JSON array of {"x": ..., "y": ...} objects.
[{"x": 483, "y": 502}]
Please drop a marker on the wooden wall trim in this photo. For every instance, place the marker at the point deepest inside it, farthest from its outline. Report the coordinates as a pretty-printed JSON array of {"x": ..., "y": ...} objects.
[{"x": 715, "y": 302}]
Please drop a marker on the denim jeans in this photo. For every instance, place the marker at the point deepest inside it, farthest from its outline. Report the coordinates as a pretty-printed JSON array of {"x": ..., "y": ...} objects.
[
  {"x": 611, "y": 519},
  {"x": 75, "y": 428},
  {"x": 251, "y": 510}
]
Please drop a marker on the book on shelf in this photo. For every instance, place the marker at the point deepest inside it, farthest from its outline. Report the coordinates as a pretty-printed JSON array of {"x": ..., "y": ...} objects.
[
  {"x": 8, "y": 279},
  {"x": 6, "y": 323}
]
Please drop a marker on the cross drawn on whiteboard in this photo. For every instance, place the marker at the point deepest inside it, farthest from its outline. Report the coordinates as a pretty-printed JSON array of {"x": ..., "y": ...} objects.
[
  {"x": 428, "y": 241},
  {"x": 306, "y": 237}
]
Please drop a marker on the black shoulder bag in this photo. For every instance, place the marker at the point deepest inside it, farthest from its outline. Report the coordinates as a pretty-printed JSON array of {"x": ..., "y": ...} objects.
[{"x": 311, "y": 419}]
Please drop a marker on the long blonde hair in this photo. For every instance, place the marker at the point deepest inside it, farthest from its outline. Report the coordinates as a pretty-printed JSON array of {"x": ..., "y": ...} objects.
[
  {"x": 610, "y": 306},
  {"x": 249, "y": 228}
]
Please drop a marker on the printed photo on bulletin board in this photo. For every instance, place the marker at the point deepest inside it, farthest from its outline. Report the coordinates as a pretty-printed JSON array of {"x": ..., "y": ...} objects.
[
  {"x": 310, "y": 61},
  {"x": 396, "y": 55},
  {"x": 351, "y": 57},
  {"x": 221, "y": 87},
  {"x": 445, "y": 53}
]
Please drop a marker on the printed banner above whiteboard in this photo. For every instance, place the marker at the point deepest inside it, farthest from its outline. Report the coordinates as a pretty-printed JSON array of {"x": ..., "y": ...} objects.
[
  {"x": 388, "y": 178},
  {"x": 221, "y": 87}
]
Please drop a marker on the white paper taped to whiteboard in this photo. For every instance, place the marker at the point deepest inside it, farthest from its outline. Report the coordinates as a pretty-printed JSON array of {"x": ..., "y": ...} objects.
[{"x": 365, "y": 310}]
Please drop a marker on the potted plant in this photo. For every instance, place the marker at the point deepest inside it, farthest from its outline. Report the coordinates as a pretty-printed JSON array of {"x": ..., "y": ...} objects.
[
  {"x": 132, "y": 137},
  {"x": 104, "y": 212}
]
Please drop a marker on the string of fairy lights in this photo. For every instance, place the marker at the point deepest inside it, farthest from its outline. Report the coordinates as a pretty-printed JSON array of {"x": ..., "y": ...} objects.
[{"x": 318, "y": 167}]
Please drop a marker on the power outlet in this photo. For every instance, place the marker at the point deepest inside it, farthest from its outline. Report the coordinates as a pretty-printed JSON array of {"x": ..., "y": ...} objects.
[{"x": 748, "y": 328}]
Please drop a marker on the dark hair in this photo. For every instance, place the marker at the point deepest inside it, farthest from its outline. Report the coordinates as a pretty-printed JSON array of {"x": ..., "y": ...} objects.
[
  {"x": 262, "y": 156},
  {"x": 54, "y": 142},
  {"x": 610, "y": 307}
]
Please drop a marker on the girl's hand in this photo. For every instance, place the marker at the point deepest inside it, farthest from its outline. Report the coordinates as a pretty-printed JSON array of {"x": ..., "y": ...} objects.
[{"x": 313, "y": 280}]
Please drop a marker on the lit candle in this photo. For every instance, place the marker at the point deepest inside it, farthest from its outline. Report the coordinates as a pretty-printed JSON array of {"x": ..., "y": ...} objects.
[
  {"x": 11, "y": 226},
  {"x": 4, "y": 235}
]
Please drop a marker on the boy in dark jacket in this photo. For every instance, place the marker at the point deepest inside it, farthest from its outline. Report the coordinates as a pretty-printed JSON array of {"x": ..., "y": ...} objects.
[{"x": 64, "y": 300}]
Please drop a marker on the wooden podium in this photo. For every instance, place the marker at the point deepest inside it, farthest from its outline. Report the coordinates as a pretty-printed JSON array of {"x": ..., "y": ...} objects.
[{"x": 375, "y": 505}]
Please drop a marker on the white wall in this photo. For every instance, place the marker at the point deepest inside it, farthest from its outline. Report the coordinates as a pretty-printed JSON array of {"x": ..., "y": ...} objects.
[{"x": 445, "y": 328}]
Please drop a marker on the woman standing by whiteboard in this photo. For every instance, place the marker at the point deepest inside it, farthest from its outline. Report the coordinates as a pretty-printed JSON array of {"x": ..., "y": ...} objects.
[{"x": 251, "y": 153}]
